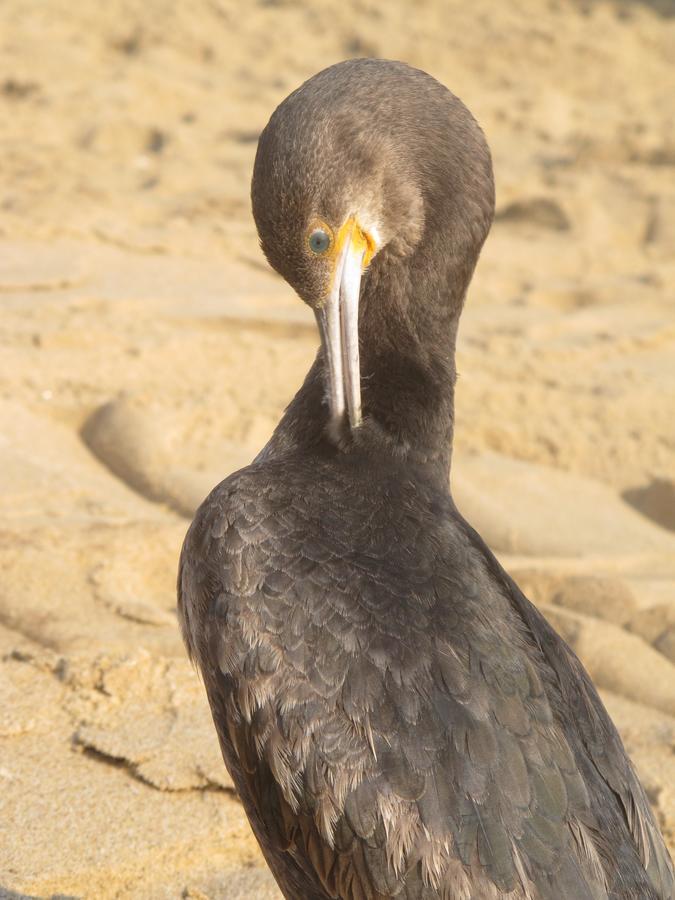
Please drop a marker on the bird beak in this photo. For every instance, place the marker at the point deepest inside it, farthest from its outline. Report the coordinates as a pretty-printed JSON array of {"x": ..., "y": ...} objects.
[{"x": 338, "y": 320}]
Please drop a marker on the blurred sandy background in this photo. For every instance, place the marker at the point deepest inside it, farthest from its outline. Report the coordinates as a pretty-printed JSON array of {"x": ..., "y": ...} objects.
[{"x": 146, "y": 352}]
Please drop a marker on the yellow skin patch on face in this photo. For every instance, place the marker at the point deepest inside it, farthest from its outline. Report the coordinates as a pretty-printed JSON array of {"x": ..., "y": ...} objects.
[
  {"x": 361, "y": 242},
  {"x": 366, "y": 241}
]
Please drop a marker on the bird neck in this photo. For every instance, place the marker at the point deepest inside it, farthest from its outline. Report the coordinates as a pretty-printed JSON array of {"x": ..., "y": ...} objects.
[
  {"x": 407, "y": 334},
  {"x": 408, "y": 330}
]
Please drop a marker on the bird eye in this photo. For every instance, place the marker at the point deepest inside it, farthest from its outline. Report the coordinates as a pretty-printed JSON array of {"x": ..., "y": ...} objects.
[{"x": 319, "y": 241}]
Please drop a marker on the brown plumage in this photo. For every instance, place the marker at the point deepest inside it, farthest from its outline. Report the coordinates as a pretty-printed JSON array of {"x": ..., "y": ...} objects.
[{"x": 398, "y": 719}]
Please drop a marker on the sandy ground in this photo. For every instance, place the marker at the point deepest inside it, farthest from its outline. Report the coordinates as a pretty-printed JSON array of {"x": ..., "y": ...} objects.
[{"x": 146, "y": 352}]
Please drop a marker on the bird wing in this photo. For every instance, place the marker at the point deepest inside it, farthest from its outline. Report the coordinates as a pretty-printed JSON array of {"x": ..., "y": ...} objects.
[
  {"x": 589, "y": 729},
  {"x": 397, "y": 730}
]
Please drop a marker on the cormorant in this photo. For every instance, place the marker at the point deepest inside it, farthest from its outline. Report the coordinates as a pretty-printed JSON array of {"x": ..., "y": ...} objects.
[{"x": 398, "y": 719}]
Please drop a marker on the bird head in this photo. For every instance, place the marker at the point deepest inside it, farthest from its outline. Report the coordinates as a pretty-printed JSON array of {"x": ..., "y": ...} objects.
[{"x": 368, "y": 172}]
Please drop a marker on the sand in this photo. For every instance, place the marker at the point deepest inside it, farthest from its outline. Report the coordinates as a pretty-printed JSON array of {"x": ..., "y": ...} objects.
[{"x": 147, "y": 352}]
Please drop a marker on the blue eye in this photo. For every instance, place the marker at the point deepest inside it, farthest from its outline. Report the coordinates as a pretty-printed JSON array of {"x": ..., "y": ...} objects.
[{"x": 319, "y": 241}]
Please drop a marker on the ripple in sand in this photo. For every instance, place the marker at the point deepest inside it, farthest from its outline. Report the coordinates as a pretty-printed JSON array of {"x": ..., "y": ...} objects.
[
  {"x": 616, "y": 660},
  {"x": 139, "y": 442},
  {"x": 150, "y": 714},
  {"x": 542, "y": 212},
  {"x": 655, "y": 500},
  {"x": 526, "y": 508}
]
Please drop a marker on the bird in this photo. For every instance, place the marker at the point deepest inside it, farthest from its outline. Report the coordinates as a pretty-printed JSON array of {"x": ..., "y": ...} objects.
[{"x": 398, "y": 719}]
